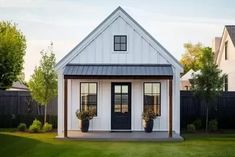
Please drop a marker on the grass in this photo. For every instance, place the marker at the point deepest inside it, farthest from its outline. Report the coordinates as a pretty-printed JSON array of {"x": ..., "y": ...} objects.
[{"x": 199, "y": 145}]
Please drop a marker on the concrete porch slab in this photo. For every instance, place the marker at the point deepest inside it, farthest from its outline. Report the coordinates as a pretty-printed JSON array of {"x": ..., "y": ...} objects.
[{"x": 122, "y": 136}]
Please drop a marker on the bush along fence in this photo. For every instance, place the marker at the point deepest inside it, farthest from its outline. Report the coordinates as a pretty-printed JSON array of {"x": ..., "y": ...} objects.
[
  {"x": 18, "y": 107},
  {"x": 192, "y": 108}
]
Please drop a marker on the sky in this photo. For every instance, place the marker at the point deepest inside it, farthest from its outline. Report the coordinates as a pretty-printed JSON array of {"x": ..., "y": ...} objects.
[{"x": 67, "y": 22}]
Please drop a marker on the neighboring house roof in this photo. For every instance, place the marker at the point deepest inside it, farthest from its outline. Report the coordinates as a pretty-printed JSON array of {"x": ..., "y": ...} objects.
[
  {"x": 231, "y": 32},
  {"x": 119, "y": 12},
  {"x": 18, "y": 86},
  {"x": 188, "y": 75},
  {"x": 127, "y": 70}
]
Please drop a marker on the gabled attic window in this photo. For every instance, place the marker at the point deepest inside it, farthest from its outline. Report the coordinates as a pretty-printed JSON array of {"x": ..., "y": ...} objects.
[
  {"x": 120, "y": 43},
  {"x": 226, "y": 50}
]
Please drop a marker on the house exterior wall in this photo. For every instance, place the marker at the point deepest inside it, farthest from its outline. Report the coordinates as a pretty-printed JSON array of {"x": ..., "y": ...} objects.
[
  {"x": 102, "y": 122},
  {"x": 101, "y": 49},
  {"x": 227, "y": 66},
  {"x": 185, "y": 85}
]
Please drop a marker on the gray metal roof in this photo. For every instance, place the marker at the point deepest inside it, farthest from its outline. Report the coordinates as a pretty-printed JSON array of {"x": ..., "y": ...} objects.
[
  {"x": 231, "y": 32},
  {"x": 126, "y": 70}
]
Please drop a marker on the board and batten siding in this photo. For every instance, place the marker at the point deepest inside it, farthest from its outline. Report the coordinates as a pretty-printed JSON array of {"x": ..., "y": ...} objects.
[
  {"x": 102, "y": 122},
  {"x": 101, "y": 50}
]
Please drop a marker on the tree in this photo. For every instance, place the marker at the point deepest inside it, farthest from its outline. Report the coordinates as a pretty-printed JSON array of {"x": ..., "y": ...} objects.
[
  {"x": 12, "y": 51},
  {"x": 191, "y": 58},
  {"x": 209, "y": 82},
  {"x": 43, "y": 83}
]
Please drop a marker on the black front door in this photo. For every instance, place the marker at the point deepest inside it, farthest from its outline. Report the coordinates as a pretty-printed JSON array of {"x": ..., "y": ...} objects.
[{"x": 121, "y": 106}]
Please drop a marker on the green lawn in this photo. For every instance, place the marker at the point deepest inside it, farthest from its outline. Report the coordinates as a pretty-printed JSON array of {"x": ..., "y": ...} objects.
[{"x": 45, "y": 145}]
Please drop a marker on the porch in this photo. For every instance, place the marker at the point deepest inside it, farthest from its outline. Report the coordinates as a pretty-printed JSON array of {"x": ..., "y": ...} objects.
[
  {"x": 124, "y": 136},
  {"x": 132, "y": 78}
]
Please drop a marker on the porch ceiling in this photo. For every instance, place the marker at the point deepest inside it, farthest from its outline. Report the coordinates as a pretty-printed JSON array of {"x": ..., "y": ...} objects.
[{"x": 109, "y": 71}]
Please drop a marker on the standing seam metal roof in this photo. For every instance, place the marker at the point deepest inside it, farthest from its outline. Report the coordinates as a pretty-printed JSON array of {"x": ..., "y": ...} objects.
[{"x": 118, "y": 70}]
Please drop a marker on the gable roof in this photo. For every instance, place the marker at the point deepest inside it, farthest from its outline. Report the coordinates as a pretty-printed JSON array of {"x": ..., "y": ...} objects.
[
  {"x": 188, "y": 75},
  {"x": 119, "y": 12},
  {"x": 231, "y": 32}
]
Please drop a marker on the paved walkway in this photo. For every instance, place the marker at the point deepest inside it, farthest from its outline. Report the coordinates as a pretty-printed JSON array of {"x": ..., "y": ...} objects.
[{"x": 123, "y": 136}]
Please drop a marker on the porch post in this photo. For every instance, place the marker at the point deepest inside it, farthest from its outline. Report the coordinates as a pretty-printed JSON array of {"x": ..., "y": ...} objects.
[
  {"x": 170, "y": 109},
  {"x": 65, "y": 108}
]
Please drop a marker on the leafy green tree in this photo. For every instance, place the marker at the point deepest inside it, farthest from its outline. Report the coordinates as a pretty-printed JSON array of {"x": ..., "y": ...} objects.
[
  {"x": 12, "y": 51},
  {"x": 191, "y": 58},
  {"x": 43, "y": 83},
  {"x": 209, "y": 82}
]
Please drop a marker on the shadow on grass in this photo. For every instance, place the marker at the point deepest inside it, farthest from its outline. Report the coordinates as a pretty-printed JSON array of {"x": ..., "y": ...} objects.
[
  {"x": 33, "y": 145},
  {"x": 12, "y": 145}
]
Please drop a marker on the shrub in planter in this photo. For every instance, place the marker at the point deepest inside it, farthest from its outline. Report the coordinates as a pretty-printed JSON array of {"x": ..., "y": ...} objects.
[
  {"x": 198, "y": 123},
  {"x": 21, "y": 127},
  {"x": 47, "y": 127},
  {"x": 148, "y": 117},
  {"x": 35, "y": 126},
  {"x": 85, "y": 117},
  {"x": 191, "y": 128},
  {"x": 213, "y": 125}
]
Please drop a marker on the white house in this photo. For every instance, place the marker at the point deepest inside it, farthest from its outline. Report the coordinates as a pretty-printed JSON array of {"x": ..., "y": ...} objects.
[
  {"x": 224, "y": 49},
  {"x": 185, "y": 80},
  {"x": 119, "y": 70}
]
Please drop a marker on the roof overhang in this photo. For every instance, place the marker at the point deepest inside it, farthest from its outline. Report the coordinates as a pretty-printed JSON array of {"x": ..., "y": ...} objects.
[{"x": 120, "y": 71}]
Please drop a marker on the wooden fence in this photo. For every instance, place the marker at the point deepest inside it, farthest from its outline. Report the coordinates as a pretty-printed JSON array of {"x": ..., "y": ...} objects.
[
  {"x": 192, "y": 108},
  {"x": 18, "y": 106}
]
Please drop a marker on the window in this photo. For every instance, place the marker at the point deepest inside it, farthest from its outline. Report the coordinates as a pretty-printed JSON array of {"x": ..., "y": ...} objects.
[
  {"x": 88, "y": 97},
  {"x": 152, "y": 97},
  {"x": 120, "y": 43},
  {"x": 121, "y": 98},
  {"x": 226, "y": 50},
  {"x": 226, "y": 83}
]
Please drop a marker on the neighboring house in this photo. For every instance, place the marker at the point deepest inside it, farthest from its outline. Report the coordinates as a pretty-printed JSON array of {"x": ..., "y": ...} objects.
[
  {"x": 18, "y": 86},
  {"x": 185, "y": 80},
  {"x": 224, "y": 49},
  {"x": 119, "y": 70}
]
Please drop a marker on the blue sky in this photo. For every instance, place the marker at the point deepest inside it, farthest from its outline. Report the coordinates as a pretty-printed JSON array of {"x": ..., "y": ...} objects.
[{"x": 67, "y": 22}]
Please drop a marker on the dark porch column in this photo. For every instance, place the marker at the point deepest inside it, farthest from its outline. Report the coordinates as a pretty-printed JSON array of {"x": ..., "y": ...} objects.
[
  {"x": 65, "y": 108},
  {"x": 170, "y": 109}
]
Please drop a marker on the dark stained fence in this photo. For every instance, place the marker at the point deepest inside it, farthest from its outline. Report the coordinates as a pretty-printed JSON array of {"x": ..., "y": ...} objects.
[
  {"x": 192, "y": 108},
  {"x": 18, "y": 106}
]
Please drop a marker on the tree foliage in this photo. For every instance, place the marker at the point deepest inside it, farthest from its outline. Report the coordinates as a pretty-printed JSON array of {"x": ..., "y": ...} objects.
[
  {"x": 12, "y": 51},
  {"x": 43, "y": 83},
  {"x": 209, "y": 82},
  {"x": 191, "y": 58}
]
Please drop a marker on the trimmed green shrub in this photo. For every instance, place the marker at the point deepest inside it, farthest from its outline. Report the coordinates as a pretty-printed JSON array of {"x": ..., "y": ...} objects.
[
  {"x": 198, "y": 123},
  {"x": 191, "y": 128},
  {"x": 47, "y": 127},
  {"x": 213, "y": 125},
  {"x": 22, "y": 127},
  {"x": 35, "y": 127},
  {"x": 6, "y": 121}
]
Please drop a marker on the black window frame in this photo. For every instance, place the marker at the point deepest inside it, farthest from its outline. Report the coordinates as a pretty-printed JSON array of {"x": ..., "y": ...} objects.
[
  {"x": 226, "y": 83},
  {"x": 119, "y": 43},
  {"x": 88, "y": 93},
  {"x": 159, "y": 114},
  {"x": 226, "y": 50}
]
